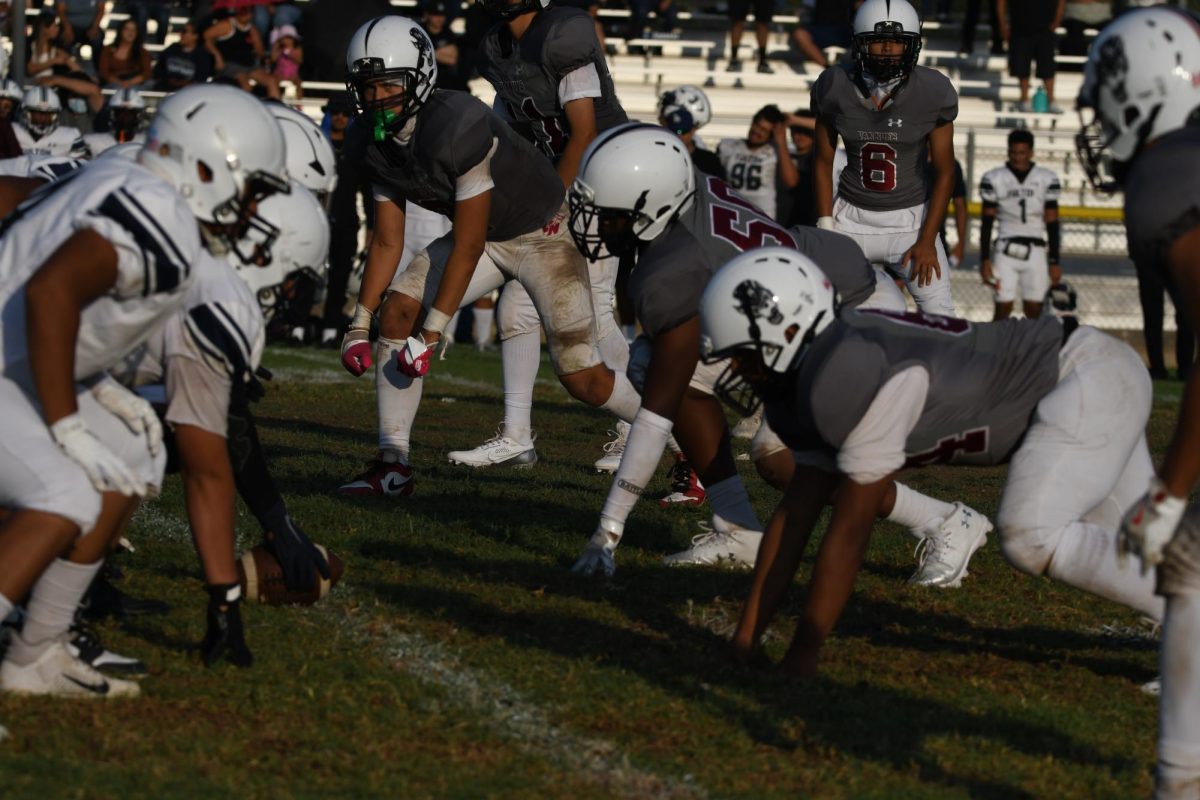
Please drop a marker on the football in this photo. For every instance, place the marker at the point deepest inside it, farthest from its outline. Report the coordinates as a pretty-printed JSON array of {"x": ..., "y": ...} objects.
[{"x": 261, "y": 578}]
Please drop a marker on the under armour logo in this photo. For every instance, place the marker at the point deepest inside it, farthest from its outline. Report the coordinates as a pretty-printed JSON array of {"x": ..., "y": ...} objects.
[{"x": 895, "y": 123}]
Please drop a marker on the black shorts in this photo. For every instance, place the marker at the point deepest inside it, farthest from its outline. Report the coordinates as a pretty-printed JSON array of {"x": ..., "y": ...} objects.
[
  {"x": 763, "y": 10},
  {"x": 1023, "y": 48}
]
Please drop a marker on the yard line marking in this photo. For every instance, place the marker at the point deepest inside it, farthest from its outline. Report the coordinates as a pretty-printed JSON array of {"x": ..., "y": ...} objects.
[{"x": 519, "y": 720}]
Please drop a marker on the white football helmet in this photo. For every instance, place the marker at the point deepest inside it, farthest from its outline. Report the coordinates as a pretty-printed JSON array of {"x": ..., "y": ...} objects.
[
  {"x": 1142, "y": 81},
  {"x": 223, "y": 152},
  {"x": 690, "y": 97},
  {"x": 878, "y": 20},
  {"x": 302, "y": 245},
  {"x": 397, "y": 53},
  {"x": 3, "y": 63},
  {"x": 310, "y": 159},
  {"x": 633, "y": 181},
  {"x": 127, "y": 113},
  {"x": 12, "y": 90},
  {"x": 773, "y": 300},
  {"x": 40, "y": 110}
]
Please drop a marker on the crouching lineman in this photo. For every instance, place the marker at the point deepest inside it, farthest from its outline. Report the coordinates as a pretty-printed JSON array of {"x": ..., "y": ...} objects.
[
  {"x": 640, "y": 193},
  {"x": 1141, "y": 94},
  {"x": 447, "y": 152},
  {"x": 90, "y": 266},
  {"x": 859, "y": 395}
]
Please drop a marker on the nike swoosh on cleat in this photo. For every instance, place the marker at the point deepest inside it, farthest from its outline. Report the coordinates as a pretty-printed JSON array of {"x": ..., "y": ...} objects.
[
  {"x": 393, "y": 483},
  {"x": 95, "y": 688}
]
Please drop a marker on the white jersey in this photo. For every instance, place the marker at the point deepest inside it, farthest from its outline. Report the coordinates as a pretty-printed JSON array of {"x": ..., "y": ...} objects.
[
  {"x": 751, "y": 172},
  {"x": 97, "y": 143},
  {"x": 1020, "y": 204},
  {"x": 46, "y": 167},
  {"x": 62, "y": 141},
  {"x": 157, "y": 241}
]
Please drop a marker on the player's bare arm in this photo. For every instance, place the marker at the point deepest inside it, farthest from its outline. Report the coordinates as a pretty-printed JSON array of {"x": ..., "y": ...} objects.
[
  {"x": 82, "y": 269},
  {"x": 783, "y": 545},
  {"x": 1181, "y": 467},
  {"x": 826, "y": 149},
  {"x": 470, "y": 236},
  {"x": 922, "y": 257},
  {"x": 788, "y": 173},
  {"x": 672, "y": 362},
  {"x": 985, "y": 260},
  {"x": 581, "y": 117},
  {"x": 209, "y": 491},
  {"x": 837, "y": 564},
  {"x": 961, "y": 227},
  {"x": 14, "y": 190}
]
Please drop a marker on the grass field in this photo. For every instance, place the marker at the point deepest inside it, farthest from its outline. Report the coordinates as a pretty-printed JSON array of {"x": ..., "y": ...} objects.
[{"x": 459, "y": 657}]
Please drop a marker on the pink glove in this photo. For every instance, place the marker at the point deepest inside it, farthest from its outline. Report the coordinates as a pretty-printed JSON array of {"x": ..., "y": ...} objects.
[
  {"x": 414, "y": 357},
  {"x": 356, "y": 352}
]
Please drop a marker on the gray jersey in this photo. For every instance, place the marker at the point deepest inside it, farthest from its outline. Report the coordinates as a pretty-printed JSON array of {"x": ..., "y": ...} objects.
[
  {"x": 673, "y": 270},
  {"x": 1162, "y": 197},
  {"x": 888, "y": 148},
  {"x": 984, "y": 383},
  {"x": 455, "y": 132},
  {"x": 528, "y": 74}
]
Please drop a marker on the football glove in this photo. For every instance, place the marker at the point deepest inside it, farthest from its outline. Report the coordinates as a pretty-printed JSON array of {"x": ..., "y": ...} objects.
[
  {"x": 1150, "y": 525},
  {"x": 356, "y": 344},
  {"x": 137, "y": 414},
  {"x": 414, "y": 358},
  {"x": 599, "y": 551},
  {"x": 297, "y": 555},
  {"x": 225, "y": 638},
  {"x": 107, "y": 472}
]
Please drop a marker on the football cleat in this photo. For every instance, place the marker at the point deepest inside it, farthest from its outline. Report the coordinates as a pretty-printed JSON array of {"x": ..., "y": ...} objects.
[
  {"x": 686, "y": 488},
  {"x": 381, "y": 479},
  {"x": 943, "y": 555},
  {"x": 748, "y": 425},
  {"x": 611, "y": 460},
  {"x": 498, "y": 451},
  {"x": 85, "y": 645},
  {"x": 722, "y": 543},
  {"x": 59, "y": 674},
  {"x": 1152, "y": 688}
]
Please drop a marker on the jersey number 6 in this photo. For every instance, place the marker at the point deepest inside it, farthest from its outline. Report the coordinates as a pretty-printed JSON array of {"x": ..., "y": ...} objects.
[{"x": 879, "y": 167}]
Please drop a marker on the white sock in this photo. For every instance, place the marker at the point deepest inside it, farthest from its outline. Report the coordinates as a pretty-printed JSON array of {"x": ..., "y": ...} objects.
[
  {"x": 397, "y": 398},
  {"x": 51, "y": 609},
  {"x": 614, "y": 350},
  {"x": 1179, "y": 705},
  {"x": 1086, "y": 558},
  {"x": 451, "y": 326},
  {"x": 520, "y": 357},
  {"x": 625, "y": 401},
  {"x": 917, "y": 511},
  {"x": 674, "y": 446},
  {"x": 643, "y": 450},
  {"x": 481, "y": 328},
  {"x": 731, "y": 502}
]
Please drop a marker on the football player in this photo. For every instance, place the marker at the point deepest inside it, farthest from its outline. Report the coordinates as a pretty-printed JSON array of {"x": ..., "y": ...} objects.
[
  {"x": 92, "y": 264},
  {"x": 551, "y": 80},
  {"x": 697, "y": 104},
  {"x": 859, "y": 395},
  {"x": 641, "y": 195},
  {"x": 126, "y": 122},
  {"x": 38, "y": 131},
  {"x": 447, "y": 152},
  {"x": 893, "y": 116},
  {"x": 1139, "y": 103},
  {"x": 752, "y": 164},
  {"x": 1023, "y": 198}
]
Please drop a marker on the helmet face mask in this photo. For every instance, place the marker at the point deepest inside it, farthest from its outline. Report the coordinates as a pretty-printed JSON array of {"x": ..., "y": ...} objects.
[
  {"x": 40, "y": 111},
  {"x": 239, "y": 225},
  {"x": 878, "y": 22},
  {"x": 392, "y": 72},
  {"x": 601, "y": 232}
]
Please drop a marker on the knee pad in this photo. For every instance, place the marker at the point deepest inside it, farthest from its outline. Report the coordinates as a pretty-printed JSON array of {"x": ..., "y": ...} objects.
[
  {"x": 1028, "y": 549},
  {"x": 573, "y": 349},
  {"x": 70, "y": 495}
]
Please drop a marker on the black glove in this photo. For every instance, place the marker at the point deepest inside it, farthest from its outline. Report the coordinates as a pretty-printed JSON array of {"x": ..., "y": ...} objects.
[
  {"x": 297, "y": 555},
  {"x": 225, "y": 638}
]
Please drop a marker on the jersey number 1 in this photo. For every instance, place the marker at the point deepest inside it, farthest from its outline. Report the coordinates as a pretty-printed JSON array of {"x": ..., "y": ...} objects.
[{"x": 879, "y": 167}]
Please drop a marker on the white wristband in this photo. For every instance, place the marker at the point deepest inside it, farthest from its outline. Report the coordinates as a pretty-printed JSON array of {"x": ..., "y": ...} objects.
[
  {"x": 362, "y": 318},
  {"x": 435, "y": 321},
  {"x": 826, "y": 224}
]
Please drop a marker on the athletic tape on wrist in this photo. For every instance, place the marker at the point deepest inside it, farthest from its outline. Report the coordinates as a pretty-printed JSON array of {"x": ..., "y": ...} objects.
[
  {"x": 435, "y": 321},
  {"x": 362, "y": 318}
]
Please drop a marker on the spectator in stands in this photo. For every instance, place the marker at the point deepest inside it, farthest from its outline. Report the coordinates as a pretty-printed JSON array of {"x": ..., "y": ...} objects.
[
  {"x": 269, "y": 16},
  {"x": 1078, "y": 16},
  {"x": 763, "y": 10},
  {"x": 665, "y": 12},
  {"x": 286, "y": 57},
  {"x": 126, "y": 62},
  {"x": 679, "y": 121},
  {"x": 828, "y": 26},
  {"x": 238, "y": 53},
  {"x": 446, "y": 48},
  {"x": 936, "y": 9},
  {"x": 343, "y": 214},
  {"x": 1150, "y": 294},
  {"x": 1029, "y": 28},
  {"x": 80, "y": 20},
  {"x": 971, "y": 20},
  {"x": 802, "y": 210},
  {"x": 142, "y": 11},
  {"x": 50, "y": 64},
  {"x": 183, "y": 63}
]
